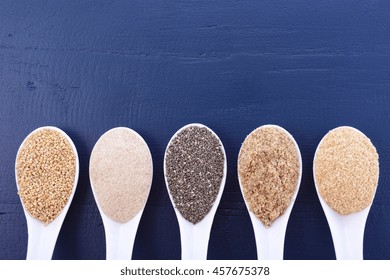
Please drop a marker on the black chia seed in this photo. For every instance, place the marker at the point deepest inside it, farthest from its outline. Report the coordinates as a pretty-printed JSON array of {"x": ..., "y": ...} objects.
[{"x": 194, "y": 165}]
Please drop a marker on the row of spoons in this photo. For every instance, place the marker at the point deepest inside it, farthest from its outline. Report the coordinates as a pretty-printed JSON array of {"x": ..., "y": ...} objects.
[{"x": 121, "y": 154}]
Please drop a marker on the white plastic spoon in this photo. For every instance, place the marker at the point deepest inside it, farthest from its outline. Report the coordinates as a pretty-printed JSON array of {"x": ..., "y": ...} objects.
[
  {"x": 106, "y": 167},
  {"x": 42, "y": 238},
  {"x": 347, "y": 230},
  {"x": 195, "y": 237},
  {"x": 270, "y": 240}
]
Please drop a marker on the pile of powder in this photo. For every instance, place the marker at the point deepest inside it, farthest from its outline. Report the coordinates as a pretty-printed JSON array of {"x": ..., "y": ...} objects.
[
  {"x": 268, "y": 168},
  {"x": 346, "y": 170},
  {"x": 121, "y": 173},
  {"x": 194, "y": 168},
  {"x": 45, "y": 172}
]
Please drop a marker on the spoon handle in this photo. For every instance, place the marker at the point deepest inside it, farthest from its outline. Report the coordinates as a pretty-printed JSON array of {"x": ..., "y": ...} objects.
[
  {"x": 271, "y": 246},
  {"x": 119, "y": 243},
  {"x": 269, "y": 240},
  {"x": 347, "y": 234},
  {"x": 42, "y": 240},
  {"x": 194, "y": 242},
  {"x": 348, "y": 246},
  {"x": 120, "y": 238}
]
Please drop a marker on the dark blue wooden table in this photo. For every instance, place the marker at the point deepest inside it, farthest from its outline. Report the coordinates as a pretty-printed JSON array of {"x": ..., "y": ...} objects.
[{"x": 155, "y": 66}]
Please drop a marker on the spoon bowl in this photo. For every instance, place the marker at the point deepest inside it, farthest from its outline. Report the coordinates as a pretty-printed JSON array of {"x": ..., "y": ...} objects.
[
  {"x": 347, "y": 230},
  {"x": 120, "y": 235},
  {"x": 270, "y": 240},
  {"x": 43, "y": 237},
  {"x": 195, "y": 237}
]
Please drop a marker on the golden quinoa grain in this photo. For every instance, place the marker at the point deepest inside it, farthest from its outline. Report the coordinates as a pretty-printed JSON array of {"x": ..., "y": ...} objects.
[
  {"x": 346, "y": 170},
  {"x": 269, "y": 169},
  {"x": 45, "y": 172}
]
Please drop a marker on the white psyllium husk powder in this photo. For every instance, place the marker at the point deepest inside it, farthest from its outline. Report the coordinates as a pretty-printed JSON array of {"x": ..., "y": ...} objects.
[
  {"x": 346, "y": 170},
  {"x": 121, "y": 172},
  {"x": 45, "y": 172},
  {"x": 269, "y": 169}
]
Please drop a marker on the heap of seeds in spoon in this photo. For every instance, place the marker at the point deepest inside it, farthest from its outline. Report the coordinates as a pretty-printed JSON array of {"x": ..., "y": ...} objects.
[
  {"x": 346, "y": 170},
  {"x": 121, "y": 172},
  {"x": 45, "y": 172},
  {"x": 268, "y": 168},
  {"x": 194, "y": 168}
]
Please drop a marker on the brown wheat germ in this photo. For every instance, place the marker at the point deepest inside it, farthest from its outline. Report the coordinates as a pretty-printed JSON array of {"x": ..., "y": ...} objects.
[
  {"x": 346, "y": 170},
  {"x": 45, "y": 171},
  {"x": 269, "y": 169}
]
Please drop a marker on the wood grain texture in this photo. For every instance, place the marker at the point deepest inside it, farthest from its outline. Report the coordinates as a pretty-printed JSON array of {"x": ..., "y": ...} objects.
[{"x": 155, "y": 66}]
